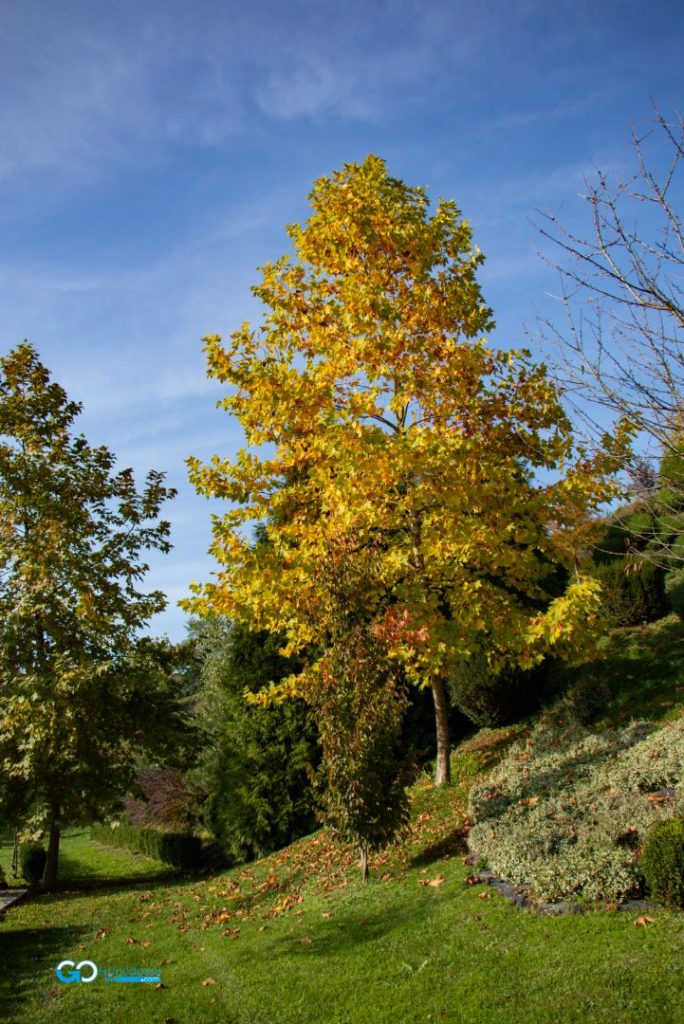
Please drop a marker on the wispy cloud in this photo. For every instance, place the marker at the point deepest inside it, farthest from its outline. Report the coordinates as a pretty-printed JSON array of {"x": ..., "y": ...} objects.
[{"x": 89, "y": 87}]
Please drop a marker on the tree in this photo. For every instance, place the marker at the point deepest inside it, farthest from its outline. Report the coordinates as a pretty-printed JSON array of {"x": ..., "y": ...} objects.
[
  {"x": 252, "y": 776},
  {"x": 621, "y": 345},
  {"x": 80, "y": 691},
  {"x": 376, "y": 417},
  {"x": 359, "y": 707}
]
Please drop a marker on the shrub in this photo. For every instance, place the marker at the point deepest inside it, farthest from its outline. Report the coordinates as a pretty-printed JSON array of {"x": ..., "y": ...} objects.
[
  {"x": 32, "y": 857},
  {"x": 3, "y": 880},
  {"x": 582, "y": 702},
  {"x": 177, "y": 849},
  {"x": 663, "y": 862},
  {"x": 674, "y": 588},
  {"x": 493, "y": 700},
  {"x": 632, "y": 592},
  {"x": 566, "y": 813}
]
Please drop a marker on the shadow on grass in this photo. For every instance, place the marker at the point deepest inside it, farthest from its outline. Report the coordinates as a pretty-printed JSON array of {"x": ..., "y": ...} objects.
[
  {"x": 343, "y": 934},
  {"x": 645, "y": 671},
  {"x": 448, "y": 846},
  {"x": 29, "y": 957},
  {"x": 74, "y": 875},
  {"x": 78, "y": 889}
]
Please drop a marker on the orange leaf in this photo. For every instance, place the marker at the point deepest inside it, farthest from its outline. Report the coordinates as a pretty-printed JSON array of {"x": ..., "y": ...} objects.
[
  {"x": 434, "y": 882},
  {"x": 208, "y": 981},
  {"x": 644, "y": 920}
]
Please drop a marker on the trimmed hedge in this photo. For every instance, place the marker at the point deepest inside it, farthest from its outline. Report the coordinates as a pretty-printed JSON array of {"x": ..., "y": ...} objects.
[
  {"x": 32, "y": 857},
  {"x": 175, "y": 848}
]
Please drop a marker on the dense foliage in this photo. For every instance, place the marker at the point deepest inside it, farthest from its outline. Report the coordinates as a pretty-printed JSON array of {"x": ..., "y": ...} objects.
[
  {"x": 32, "y": 858},
  {"x": 632, "y": 592},
  {"x": 80, "y": 691},
  {"x": 252, "y": 781},
  {"x": 663, "y": 862},
  {"x": 375, "y": 413},
  {"x": 359, "y": 706},
  {"x": 490, "y": 698}
]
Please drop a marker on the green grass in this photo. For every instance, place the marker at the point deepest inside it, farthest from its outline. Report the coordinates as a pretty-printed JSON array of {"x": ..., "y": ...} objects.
[
  {"x": 643, "y": 668},
  {"x": 85, "y": 864},
  {"x": 296, "y": 938}
]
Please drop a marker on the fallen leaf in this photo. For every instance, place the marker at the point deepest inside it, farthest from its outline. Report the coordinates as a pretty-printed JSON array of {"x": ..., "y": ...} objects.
[
  {"x": 103, "y": 933},
  {"x": 131, "y": 942},
  {"x": 160, "y": 985},
  {"x": 306, "y": 941},
  {"x": 484, "y": 895},
  {"x": 439, "y": 880},
  {"x": 325, "y": 914},
  {"x": 644, "y": 920},
  {"x": 208, "y": 981}
]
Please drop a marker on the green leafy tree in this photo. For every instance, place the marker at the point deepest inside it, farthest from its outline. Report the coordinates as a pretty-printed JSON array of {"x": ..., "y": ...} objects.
[
  {"x": 252, "y": 779},
  {"x": 374, "y": 411},
  {"x": 81, "y": 693}
]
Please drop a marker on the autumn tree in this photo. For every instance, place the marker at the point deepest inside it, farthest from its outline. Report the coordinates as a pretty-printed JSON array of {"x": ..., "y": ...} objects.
[
  {"x": 376, "y": 416},
  {"x": 80, "y": 691},
  {"x": 359, "y": 697}
]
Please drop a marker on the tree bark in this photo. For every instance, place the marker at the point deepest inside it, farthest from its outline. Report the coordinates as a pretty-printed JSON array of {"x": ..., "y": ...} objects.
[
  {"x": 363, "y": 862},
  {"x": 49, "y": 879},
  {"x": 443, "y": 764}
]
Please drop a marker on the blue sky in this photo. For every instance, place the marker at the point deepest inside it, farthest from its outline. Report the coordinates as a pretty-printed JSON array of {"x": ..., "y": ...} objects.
[{"x": 151, "y": 155}]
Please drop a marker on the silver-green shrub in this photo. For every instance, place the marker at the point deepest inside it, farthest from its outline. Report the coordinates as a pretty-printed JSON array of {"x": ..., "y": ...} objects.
[{"x": 566, "y": 812}]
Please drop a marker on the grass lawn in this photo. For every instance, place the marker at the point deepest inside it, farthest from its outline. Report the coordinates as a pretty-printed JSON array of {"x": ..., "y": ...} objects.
[
  {"x": 85, "y": 864},
  {"x": 296, "y": 938}
]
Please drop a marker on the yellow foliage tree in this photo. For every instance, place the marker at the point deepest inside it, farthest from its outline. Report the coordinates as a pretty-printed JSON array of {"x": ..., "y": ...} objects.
[{"x": 378, "y": 421}]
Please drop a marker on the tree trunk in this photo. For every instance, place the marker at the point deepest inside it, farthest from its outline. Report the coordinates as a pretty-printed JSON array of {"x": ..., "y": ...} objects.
[
  {"x": 49, "y": 879},
  {"x": 363, "y": 862},
  {"x": 443, "y": 765}
]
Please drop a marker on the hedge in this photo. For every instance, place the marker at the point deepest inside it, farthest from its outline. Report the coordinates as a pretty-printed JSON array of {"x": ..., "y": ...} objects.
[
  {"x": 32, "y": 858},
  {"x": 175, "y": 848}
]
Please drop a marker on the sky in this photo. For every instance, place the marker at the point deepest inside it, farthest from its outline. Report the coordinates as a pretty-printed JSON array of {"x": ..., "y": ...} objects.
[{"x": 152, "y": 154}]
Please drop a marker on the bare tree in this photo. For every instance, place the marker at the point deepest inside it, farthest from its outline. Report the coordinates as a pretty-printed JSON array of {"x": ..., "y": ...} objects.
[{"x": 620, "y": 349}]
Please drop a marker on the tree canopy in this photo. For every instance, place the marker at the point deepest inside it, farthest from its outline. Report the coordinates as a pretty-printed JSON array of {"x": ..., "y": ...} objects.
[
  {"x": 378, "y": 420},
  {"x": 80, "y": 690}
]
